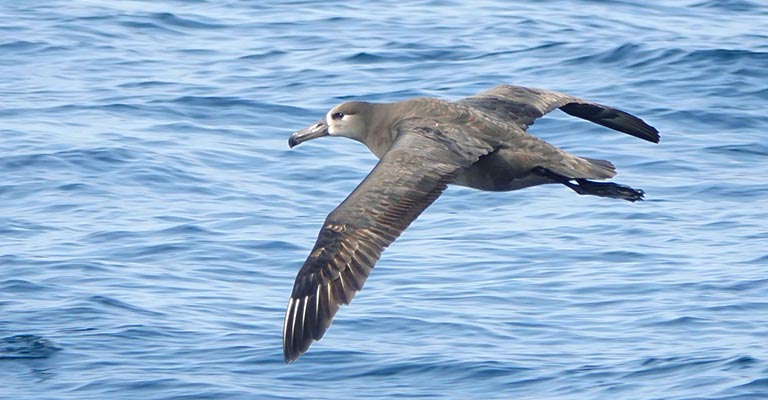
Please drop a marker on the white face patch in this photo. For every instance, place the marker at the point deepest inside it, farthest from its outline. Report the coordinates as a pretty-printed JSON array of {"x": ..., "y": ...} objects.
[
  {"x": 348, "y": 123},
  {"x": 332, "y": 123}
]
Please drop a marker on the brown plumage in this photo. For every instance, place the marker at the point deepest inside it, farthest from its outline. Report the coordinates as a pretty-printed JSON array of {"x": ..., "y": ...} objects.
[{"x": 425, "y": 144}]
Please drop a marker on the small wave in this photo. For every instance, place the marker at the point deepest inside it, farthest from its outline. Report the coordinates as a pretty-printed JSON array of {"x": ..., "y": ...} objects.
[
  {"x": 154, "y": 27},
  {"x": 19, "y": 228},
  {"x": 495, "y": 54},
  {"x": 115, "y": 303},
  {"x": 741, "y": 362},
  {"x": 437, "y": 367},
  {"x": 22, "y": 46},
  {"x": 748, "y": 285},
  {"x": 147, "y": 84},
  {"x": 722, "y": 56},
  {"x": 212, "y": 101},
  {"x": 762, "y": 260},
  {"x": 747, "y": 149},
  {"x": 729, "y": 5},
  {"x": 100, "y": 159},
  {"x": 232, "y": 103},
  {"x": 625, "y": 54},
  {"x": 633, "y": 55},
  {"x": 267, "y": 55},
  {"x": 365, "y": 57},
  {"x": 112, "y": 236},
  {"x": 185, "y": 22},
  {"x": 20, "y": 286},
  {"x": 669, "y": 365},
  {"x": 168, "y": 23},
  {"x": 761, "y": 383},
  {"x": 146, "y": 253},
  {"x": 26, "y": 346},
  {"x": 186, "y": 230},
  {"x": 165, "y": 21},
  {"x": 679, "y": 321}
]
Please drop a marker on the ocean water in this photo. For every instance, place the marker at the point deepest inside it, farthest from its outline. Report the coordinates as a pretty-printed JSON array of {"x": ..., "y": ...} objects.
[{"x": 153, "y": 218}]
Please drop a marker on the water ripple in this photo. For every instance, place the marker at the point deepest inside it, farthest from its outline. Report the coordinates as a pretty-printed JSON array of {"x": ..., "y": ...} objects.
[
  {"x": 153, "y": 217},
  {"x": 26, "y": 346}
]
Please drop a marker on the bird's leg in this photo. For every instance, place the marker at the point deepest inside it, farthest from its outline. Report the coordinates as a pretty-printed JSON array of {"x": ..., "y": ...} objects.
[{"x": 587, "y": 187}]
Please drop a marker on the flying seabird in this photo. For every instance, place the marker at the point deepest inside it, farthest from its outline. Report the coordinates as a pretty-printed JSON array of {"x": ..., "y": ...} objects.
[{"x": 423, "y": 145}]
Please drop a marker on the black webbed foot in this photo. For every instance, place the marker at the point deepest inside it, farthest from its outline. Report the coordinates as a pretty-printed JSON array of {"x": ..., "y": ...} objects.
[
  {"x": 607, "y": 189},
  {"x": 587, "y": 187}
]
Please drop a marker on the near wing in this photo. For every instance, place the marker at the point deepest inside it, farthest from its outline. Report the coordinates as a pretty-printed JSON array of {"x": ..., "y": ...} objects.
[
  {"x": 524, "y": 105},
  {"x": 409, "y": 177}
]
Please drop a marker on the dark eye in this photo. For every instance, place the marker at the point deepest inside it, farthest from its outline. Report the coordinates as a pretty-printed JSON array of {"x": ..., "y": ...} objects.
[{"x": 337, "y": 116}]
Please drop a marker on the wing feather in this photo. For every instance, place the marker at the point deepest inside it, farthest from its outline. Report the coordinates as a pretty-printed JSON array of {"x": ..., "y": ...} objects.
[
  {"x": 524, "y": 105},
  {"x": 409, "y": 177}
]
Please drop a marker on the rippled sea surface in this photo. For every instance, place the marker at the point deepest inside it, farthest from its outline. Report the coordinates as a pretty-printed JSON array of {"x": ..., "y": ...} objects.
[{"x": 153, "y": 218}]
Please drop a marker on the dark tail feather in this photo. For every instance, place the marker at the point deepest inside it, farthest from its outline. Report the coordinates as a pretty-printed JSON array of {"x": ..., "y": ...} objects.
[{"x": 604, "y": 169}]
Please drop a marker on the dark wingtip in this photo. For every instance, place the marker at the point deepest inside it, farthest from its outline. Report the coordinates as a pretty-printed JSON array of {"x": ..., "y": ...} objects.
[
  {"x": 304, "y": 322},
  {"x": 641, "y": 130},
  {"x": 613, "y": 118}
]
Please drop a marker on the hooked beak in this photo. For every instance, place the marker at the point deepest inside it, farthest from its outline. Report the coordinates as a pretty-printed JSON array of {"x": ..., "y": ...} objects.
[{"x": 316, "y": 130}]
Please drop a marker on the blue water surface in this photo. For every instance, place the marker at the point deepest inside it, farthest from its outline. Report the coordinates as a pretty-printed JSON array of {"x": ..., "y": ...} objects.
[{"x": 153, "y": 218}]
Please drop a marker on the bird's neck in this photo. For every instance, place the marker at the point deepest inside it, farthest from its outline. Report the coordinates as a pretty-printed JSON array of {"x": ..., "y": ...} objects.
[{"x": 380, "y": 136}]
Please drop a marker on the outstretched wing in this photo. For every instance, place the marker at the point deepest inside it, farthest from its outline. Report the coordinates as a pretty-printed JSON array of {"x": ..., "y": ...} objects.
[
  {"x": 407, "y": 179},
  {"x": 524, "y": 105}
]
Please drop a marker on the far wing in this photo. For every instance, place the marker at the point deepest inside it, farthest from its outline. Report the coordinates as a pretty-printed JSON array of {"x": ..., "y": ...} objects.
[
  {"x": 407, "y": 179},
  {"x": 524, "y": 105}
]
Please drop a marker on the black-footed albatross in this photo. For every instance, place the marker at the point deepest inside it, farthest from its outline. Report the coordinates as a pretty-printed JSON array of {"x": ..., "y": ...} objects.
[{"x": 423, "y": 145}]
